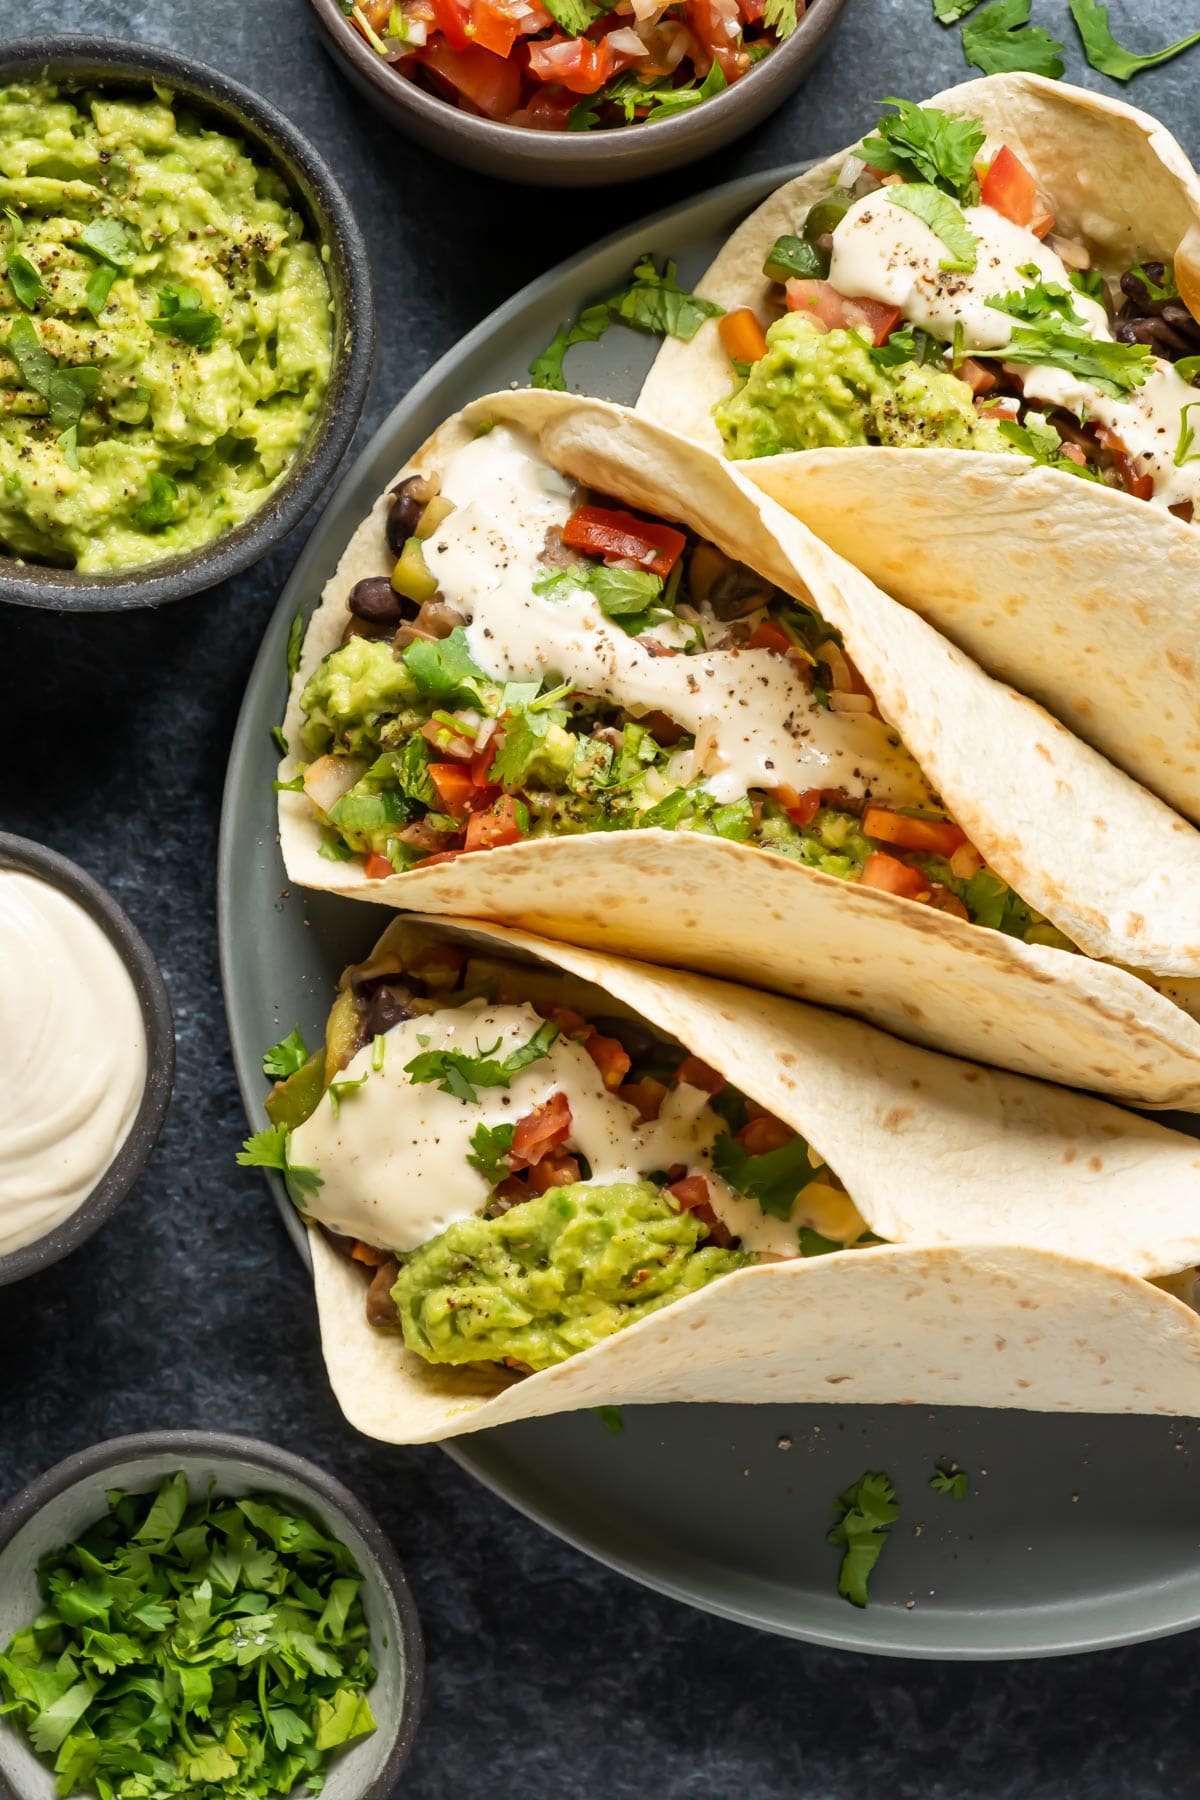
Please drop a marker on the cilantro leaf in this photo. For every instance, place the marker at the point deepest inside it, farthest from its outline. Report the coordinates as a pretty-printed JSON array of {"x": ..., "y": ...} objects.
[
  {"x": 922, "y": 143},
  {"x": 949, "y": 12},
  {"x": 1038, "y": 439},
  {"x": 182, "y": 316},
  {"x": 1000, "y": 39},
  {"x": 627, "y": 596},
  {"x": 951, "y": 1482},
  {"x": 781, "y": 17},
  {"x": 109, "y": 241},
  {"x": 98, "y": 288},
  {"x": 459, "y": 1074},
  {"x": 574, "y": 16},
  {"x": 909, "y": 344},
  {"x": 650, "y": 302},
  {"x": 637, "y": 99},
  {"x": 610, "y": 1418},
  {"x": 295, "y": 641},
  {"x": 490, "y": 1145},
  {"x": 868, "y": 1510},
  {"x": 1115, "y": 369},
  {"x": 158, "y": 508},
  {"x": 944, "y": 218},
  {"x": 774, "y": 1179},
  {"x": 65, "y": 391},
  {"x": 1103, "y": 51},
  {"x": 285, "y": 1057},
  {"x": 270, "y": 1149},
  {"x": 26, "y": 281},
  {"x": 445, "y": 671}
]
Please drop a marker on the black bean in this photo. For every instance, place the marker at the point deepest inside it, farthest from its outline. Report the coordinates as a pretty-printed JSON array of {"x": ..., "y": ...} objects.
[
  {"x": 386, "y": 1007},
  {"x": 631, "y": 1034},
  {"x": 376, "y": 600},
  {"x": 409, "y": 500},
  {"x": 1157, "y": 333}
]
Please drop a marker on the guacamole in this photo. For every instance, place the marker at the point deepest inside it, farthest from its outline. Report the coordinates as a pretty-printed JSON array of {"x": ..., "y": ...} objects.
[
  {"x": 552, "y": 1276},
  {"x": 165, "y": 329},
  {"x": 819, "y": 389}
]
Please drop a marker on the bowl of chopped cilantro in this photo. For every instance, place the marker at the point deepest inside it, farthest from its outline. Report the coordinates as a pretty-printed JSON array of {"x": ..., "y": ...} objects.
[
  {"x": 575, "y": 93},
  {"x": 186, "y": 325},
  {"x": 198, "y": 1614}
]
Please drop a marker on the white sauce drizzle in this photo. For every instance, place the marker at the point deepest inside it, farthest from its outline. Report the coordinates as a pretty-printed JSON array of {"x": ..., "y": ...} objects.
[
  {"x": 883, "y": 252},
  {"x": 755, "y": 725},
  {"x": 393, "y": 1160},
  {"x": 72, "y": 1056}
]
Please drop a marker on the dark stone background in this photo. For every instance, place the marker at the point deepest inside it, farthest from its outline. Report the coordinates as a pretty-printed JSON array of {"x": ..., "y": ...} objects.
[{"x": 549, "y": 1677}]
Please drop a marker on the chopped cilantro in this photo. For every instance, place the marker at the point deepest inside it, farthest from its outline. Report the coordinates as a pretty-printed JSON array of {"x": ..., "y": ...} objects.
[
  {"x": 649, "y": 301},
  {"x": 922, "y": 143},
  {"x": 27, "y": 283},
  {"x": 182, "y": 316},
  {"x": 192, "y": 1646},
  {"x": 378, "y": 1051},
  {"x": 67, "y": 392},
  {"x": 270, "y": 1149},
  {"x": 909, "y": 344},
  {"x": 1188, "y": 368},
  {"x": 610, "y": 1418},
  {"x": 774, "y": 1179},
  {"x": 1103, "y": 51},
  {"x": 280, "y": 739},
  {"x": 951, "y": 1482},
  {"x": 158, "y": 508},
  {"x": 285, "y": 1057},
  {"x": 99, "y": 287},
  {"x": 1187, "y": 437},
  {"x": 638, "y": 99},
  {"x": 333, "y": 848},
  {"x": 490, "y": 1145},
  {"x": 459, "y": 1074},
  {"x": 868, "y": 1510},
  {"x": 1089, "y": 282},
  {"x": 109, "y": 241},
  {"x": 1038, "y": 439},
  {"x": 68, "y": 443},
  {"x": 338, "y": 1090},
  {"x": 944, "y": 218},
  {"x": 1166, "y": 289},
  {"x": 1051, "y": 332},
  {"x": 574, "y": 16},
  {"x": 295, "y": 638},
  {"x": 1000, "y": 39},
  {"x": 445, "y": 671}
]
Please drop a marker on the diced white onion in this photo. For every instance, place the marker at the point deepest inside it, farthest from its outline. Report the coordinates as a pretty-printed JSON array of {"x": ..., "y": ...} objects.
[
  {"x": 627, "y": 41},
  {"x": 1073, "y": 254},
  {"x": 850, "y": 703}
]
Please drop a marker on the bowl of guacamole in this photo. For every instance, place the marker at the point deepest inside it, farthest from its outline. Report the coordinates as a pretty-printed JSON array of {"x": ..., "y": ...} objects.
[{"x": 186, "y": 325}]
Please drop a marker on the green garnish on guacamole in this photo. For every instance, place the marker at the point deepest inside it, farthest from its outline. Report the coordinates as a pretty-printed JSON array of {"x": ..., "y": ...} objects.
[
  {"x": 816, "y": 389},
  {"x": 552, "y": 1276},
  {"x": 165, "y": 329}
]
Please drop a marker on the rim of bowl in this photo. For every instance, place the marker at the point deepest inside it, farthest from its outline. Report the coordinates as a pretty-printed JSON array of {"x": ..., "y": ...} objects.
[
  {"x": 574, "y": 149},
  {"x": 131, "y": 1158},
  {"x": 273, "y": 138},
  {"x": 84, "y": 1465}
]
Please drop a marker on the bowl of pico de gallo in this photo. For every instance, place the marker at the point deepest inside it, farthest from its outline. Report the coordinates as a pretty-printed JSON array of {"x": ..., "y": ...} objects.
[{"x": 575, "y": 93}]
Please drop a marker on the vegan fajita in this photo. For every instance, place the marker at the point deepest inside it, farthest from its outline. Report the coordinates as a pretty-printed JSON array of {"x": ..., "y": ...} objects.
[
  {"x": 966, "y": 352},
  {"x": 512, "y": 1154},
  {"x": 562, "y": 709}
]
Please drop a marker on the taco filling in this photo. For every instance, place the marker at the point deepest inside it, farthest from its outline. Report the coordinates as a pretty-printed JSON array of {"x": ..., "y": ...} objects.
[
  {"x": 525, "y": 1178},
  {"x": 929, "y": 301},
  {"x": 541, "y": 662}
]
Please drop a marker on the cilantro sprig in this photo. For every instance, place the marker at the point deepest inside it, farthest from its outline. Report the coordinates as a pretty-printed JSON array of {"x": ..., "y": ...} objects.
[
  {"x": 182, "y": 316},
  {"x": 773, "y": 1179},
  {"x": 651, "y": 301},
  {"x": 924, "y": 144},
  {"x": 1103, "y": 51},
  {"x": 953, "y": 1483},
  {"x": 869, "y": 1509},
  {"x": 193, "y": 1646},
  {"x": 271, "y": 1149},
  {"x": 490, "y": 1145},
  {"x": 999, "y": 40},
  {"x": 285, "y": 1057},
  {"x": 458, "y": 1073},
  {"x": 631, "y": 598},
  {"x": 1051, "y": 332}
]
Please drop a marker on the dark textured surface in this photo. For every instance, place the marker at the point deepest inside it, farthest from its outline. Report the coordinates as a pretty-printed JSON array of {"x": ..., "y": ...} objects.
[{"x": 549, "y": 1677}]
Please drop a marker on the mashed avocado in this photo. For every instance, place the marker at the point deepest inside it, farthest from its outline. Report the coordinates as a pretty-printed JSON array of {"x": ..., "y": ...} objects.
[
  {"x": 165, "y": 329},
  {"x": 819, "y": 389},
  {"x": 552, "y": 1276}
]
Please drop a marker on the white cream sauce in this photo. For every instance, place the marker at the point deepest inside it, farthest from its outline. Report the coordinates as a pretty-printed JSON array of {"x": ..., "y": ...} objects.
[
  {"x": 393, "y": 1158},
  {"x": 755, "y": 725},
  {"x": 72, "y": 1057},
  {"x": 883, "y": 252}
]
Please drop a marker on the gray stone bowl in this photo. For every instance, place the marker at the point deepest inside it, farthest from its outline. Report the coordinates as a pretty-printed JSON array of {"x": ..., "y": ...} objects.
[
  {"x": 130, "y": 1160},
  {"x": 59, "y": 1504},
  {"x": 273, "y": 139},
  {"x": 583, "y": 158}
]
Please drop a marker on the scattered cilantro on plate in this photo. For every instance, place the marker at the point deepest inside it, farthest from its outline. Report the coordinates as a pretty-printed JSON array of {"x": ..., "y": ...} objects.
[
  {"x": 868, "y": 1510},
  {"x": 650, "y": 301},
  {"x": 951, "y": 1482},
  {"x": 1000, "y": 39},
  {"x": 209, "y": 1647},
  {"x": 1103, "y": 51}
]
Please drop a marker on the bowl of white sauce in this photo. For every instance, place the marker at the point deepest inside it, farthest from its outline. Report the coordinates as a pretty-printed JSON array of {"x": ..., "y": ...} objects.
[{"x": 87, "y": 1056}]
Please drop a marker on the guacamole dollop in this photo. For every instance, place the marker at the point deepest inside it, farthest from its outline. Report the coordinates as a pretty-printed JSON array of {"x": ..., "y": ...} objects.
[
  {"x": 165, "y": 329},
  {"x": 553, "y": 1276},
  {"x": 819, "y": 389}
]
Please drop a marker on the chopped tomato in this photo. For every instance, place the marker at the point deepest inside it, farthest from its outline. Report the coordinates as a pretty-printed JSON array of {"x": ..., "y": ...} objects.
[
  {"x": 541, "y": 1131},
  {"x": 742, "y": 336},
  {"x": 752, "y": 10},
  {"x": 1140, "y": 486},
  {"x": 571, "y": 1024},
  {"x": 892, "y": 876},
  {"x": 453, "y": 786},
  {"x": 691, "y": 1192},
  {"x": 548, "y": 110},
  {"x": 553, "y": 1171},
  {"x": 500, "y": 824},
  {"x": 494, "y": 26},
  {"x": 803, "y": 808},
  {"x": 938, "y": 837},
  {"x": 573, "y": 63},
  {"x": 610, "y": 1057},
  {"x": 481, "y": 762},
  {"x": 620, "y": 537},
  {"x": 769, "y": 636},
  {"x": 440, "y": 965},
  {"x": 699, "y": 1074},
  {"x": 716, "y": 27},
  {"x": 491, "y": 83},
  {"x": 762, "y": 1135},
  {"x": 978, "y": 377},
  {"x": 647, "y": 1095},
  {"x": 452, "y": 19},
  {"x": 1010, "y": 188},
  {"x": 378, "y": 867},
  {"x": 1042, "y": 224},
  {"x": 841, "y": 311}
]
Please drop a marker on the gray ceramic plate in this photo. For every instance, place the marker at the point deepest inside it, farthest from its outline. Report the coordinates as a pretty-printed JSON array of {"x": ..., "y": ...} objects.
[{"x": 1078, "y": 1533}]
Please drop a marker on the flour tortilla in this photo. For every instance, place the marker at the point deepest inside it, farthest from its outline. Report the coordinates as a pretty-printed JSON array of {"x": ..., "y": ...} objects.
[
  {"x": 1049, "y": 814},
  {"x": 1020, "y": 1216},
  {"x": 1083, "y": 597}
]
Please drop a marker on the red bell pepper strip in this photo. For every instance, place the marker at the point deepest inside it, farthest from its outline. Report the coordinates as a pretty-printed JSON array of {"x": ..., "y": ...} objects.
[{"x": 620, "y": 537}]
